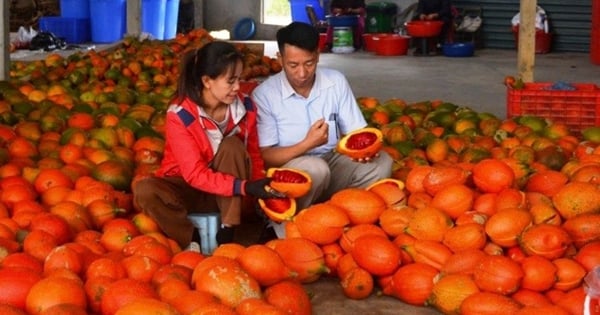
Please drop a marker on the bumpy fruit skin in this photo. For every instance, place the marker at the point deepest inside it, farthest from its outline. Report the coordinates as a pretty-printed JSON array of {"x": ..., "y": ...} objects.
[
  {"x": 278, "y": 209},
  {"x": 292, "y": 182},
  {"x": 361, "y": 143}
]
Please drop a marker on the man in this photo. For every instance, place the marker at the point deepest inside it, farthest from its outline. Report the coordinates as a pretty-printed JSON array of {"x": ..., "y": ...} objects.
[{"x": 303, "y": 111}]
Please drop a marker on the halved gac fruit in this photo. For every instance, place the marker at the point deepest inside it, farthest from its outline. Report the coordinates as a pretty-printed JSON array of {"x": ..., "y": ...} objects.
[
  {"x": 278, "y": 209},
  {"x": 361, "y": 143},
  {"x": 293, "y": 183}
]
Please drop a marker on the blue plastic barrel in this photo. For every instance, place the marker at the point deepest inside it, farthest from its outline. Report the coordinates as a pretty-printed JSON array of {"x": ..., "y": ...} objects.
[
  {"x": 79, "y": 9},
  {"x": 109, "y": 21},
  {"x": 153, "y": 17},
  {"x": 172, "y": 14}
]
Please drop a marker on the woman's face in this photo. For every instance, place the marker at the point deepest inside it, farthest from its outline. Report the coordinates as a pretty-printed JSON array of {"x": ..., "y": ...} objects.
[{"x": 224, "y": 88}]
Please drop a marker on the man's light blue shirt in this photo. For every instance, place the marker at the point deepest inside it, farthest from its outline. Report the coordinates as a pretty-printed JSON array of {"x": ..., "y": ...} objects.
[{"x": 285, "y": 117}]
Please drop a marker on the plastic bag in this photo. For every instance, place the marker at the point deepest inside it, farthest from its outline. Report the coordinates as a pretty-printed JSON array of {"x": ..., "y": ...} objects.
[
  {"x": 541, "y": 19},
  {"x": 46, "y": 41},
  {"x": 591, "y": 305},
  {"x": 592, "y": 283},
  {"x": 469, "y": 24},
  {"x": 24, "y": 37}
]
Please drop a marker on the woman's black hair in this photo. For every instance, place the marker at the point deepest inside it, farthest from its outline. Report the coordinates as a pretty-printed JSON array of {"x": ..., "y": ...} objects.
[
  {"x": 212, "y": 60},
  {"x": 299, "y": 34}
]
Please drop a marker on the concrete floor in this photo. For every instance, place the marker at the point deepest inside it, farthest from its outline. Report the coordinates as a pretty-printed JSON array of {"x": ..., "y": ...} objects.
[{"x": 475, "y": 82}]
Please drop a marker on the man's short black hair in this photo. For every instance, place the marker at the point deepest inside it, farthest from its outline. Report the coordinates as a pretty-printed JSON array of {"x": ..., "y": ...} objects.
[{"x": 299, "y": 34}]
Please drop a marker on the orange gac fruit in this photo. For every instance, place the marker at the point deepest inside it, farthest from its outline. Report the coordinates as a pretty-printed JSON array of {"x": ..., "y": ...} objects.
[
  {"x": 332, "y": 254},
  {"x": 429, "y": 223},
  {"x": 463, "y": 262},
  {"x": 301, "y": 256},
  {"x": 264, "y": 264},
  {"x": 362, "y": 206},
  {"x": 322, "y": 223},
  {"x": 355, "y": 231},
  {"x": 293, "y": 183},
  {"x": 413, "y": 283},
  {"x": 488, "y": 302},
  {"x": 454, "y": 199},
  {"x": 549, "y": 241},
  {"x": 450, "y": 291},
  {"x": 51, "y": 177},
  {"x": 368, "y": 101},
  {"x": 278, "y": 209},
  {"x": 229, "y": 282},
  {"x": 505, "y": 226},
  {"x": 432, "y": 253},
  {"x": 361, "y": 143},
  {"x": 491, "y": 175},
  {"x": 16, "y": 282},
  {"x": 289, "y": 296},
  {"x": 395, "y": 220},
  {"x": 569, "y": 273},
  {"x": 145, "y": 223},
  {"x": 583, "y": 229},
  {"x": 498, "y": 274},
  {"x": 147, "y": 305},
  {"x": 54, "y": 290},
  {"x": 124, "y": 291},
  {"x": 357, "y": 283},
  {"x": 229, "y": 250},
  {"x": 390, "y": 190},
  {"x": 539, "y": 273},
  {"x": 376, "y": 254},
  {"x": 465, "y": 237},
  {"x": 577, "y": 198}
]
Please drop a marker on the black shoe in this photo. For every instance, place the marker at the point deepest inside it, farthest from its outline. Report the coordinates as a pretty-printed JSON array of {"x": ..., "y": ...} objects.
[
  {"x": 225, "y": 235},
  {"x": 267, "y": 234}
]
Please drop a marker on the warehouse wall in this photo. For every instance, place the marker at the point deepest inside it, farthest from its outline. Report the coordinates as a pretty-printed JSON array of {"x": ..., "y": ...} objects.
[
  {"x": 570, "y": 20},
  {"x": 219, "y": 15}
]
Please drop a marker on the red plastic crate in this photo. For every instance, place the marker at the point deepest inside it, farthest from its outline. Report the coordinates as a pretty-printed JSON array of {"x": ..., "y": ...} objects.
[{"x": 578, "y": 109}]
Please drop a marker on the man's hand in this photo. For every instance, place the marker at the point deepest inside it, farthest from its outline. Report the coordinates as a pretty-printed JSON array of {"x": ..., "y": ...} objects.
[
  {"x": 318, "y": 133},
  {"x": 367, "y": 159}
]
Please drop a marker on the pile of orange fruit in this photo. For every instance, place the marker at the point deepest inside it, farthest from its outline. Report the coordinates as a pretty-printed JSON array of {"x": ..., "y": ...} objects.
[{"x": 481, "y": 215}]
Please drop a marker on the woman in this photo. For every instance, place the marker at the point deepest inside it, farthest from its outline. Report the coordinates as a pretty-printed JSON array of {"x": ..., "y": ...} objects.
[
  {"x": 436, "y": 10},
  {"x": 211, "y": 158},
  {"x": 349, "y": 7}
]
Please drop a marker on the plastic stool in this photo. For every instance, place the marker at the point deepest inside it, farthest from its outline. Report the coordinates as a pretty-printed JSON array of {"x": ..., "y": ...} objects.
[{"x": 207, "y": 225}]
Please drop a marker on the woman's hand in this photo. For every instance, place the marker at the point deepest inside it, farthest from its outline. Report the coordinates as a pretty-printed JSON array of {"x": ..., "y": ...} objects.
[{"x": 432, "y": 16}]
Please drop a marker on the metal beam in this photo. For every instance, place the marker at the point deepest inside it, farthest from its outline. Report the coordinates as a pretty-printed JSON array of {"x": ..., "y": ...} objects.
[{"x": 5, "y": 42}]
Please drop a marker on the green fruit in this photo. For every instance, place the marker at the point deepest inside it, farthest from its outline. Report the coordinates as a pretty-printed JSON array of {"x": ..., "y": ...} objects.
[
  {"x": 536, "y": 123},
  {"x": 591, "y": 134}
]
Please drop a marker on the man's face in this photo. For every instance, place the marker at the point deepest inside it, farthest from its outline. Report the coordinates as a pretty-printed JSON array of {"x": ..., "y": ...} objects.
[{"x": 299, "y": 66}]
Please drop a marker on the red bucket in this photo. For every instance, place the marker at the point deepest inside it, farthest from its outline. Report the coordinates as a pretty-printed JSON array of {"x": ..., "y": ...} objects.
[
  {"x": 391, "y": 45},
  {"x": 322, "y": 42},
  {"x": 369, "y": 41}
]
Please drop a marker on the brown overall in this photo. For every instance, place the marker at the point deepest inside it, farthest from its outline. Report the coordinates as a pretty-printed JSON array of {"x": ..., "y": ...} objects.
[{"x": 169, "y": 200}]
